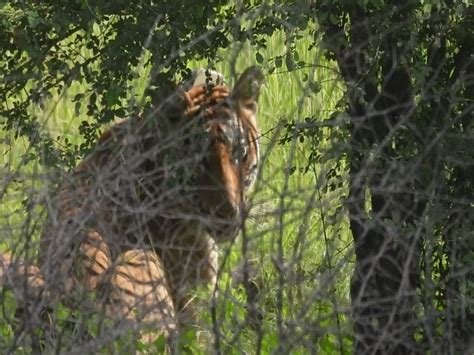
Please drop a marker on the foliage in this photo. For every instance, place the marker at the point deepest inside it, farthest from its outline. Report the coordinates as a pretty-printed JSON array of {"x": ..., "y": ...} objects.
[
  {"x": 408, "y": 69},
  {"x": 49, "y": 46}
]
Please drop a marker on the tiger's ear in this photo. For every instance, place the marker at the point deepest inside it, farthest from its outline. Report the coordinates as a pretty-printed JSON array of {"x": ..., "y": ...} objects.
[{"x": 247, "y": 89}]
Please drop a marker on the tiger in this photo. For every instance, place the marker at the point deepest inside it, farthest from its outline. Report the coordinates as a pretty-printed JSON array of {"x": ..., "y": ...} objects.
[{"x": 139, "y": 220}]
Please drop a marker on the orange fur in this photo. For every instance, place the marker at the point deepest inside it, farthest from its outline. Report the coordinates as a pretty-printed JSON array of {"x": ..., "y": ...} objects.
[{"x": 131, "y": 224}]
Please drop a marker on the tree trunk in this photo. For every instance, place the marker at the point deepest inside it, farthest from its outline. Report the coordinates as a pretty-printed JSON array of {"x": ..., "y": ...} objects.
[{"x": 386, "y": 275}]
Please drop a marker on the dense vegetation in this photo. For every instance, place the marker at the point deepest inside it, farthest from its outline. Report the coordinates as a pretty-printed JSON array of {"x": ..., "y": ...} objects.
[{"x": 367, "y": 123}]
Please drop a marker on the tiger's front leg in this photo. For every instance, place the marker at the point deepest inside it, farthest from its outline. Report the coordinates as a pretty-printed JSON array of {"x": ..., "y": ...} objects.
[
  {"x": 190, "y": 263},
  {"x": 137, "y": 292},
  {"x": 132, "y": 289}
]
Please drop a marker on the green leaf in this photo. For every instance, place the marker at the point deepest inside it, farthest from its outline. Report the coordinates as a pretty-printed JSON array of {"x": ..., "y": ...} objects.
[
  {"x": 278, "y": 62},
  {"x": 296, "y": 56},
  {"x": 314, "y": 87},
  {"x": 290, "y": 62},
  {"x": 113, "y": 95},
  {"x": 77, "y": 108},
  {"x": 78, "y": 97}
]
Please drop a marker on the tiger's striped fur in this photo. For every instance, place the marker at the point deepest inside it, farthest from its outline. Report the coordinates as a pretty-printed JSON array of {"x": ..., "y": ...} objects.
[{"x": 139, "y": 219}]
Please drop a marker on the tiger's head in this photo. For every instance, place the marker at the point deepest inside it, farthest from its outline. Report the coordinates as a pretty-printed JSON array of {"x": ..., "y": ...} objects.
[{"x": 232, "y": 162}]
